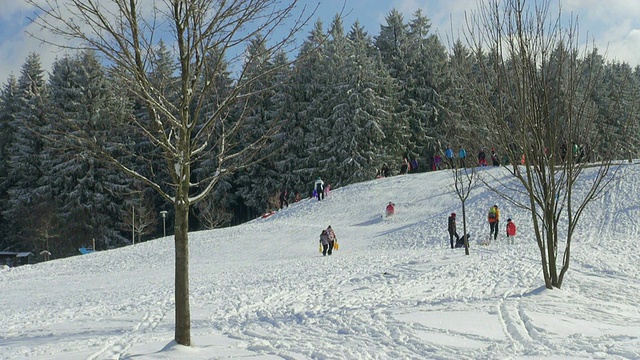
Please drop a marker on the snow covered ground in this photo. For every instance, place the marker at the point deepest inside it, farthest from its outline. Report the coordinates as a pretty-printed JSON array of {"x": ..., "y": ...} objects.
[{"x": 394, "y": 290}]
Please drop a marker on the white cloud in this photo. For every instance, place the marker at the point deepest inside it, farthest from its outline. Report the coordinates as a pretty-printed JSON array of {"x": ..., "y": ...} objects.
[{"x": 627, "y": 49}]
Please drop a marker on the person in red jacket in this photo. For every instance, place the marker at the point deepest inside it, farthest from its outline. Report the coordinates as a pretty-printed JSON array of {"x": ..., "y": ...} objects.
[
  {"x": 511, "y": 230},
  {"x": 391, "y": 209}
]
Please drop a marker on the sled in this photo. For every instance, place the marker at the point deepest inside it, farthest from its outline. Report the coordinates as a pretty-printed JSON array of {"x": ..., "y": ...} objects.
[
  {"x": 266, "y": 215},
  {"x": 84, "y": 251},
  {"x": 460, "y": 241},
  {"x": 485, "y": 242}
]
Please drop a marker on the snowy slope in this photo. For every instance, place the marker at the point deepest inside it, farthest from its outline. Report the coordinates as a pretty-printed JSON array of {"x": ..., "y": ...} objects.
[{"x": 394, "y": 290}]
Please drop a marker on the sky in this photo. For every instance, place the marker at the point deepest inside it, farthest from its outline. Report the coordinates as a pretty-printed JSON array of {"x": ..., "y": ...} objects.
[
  {"x": 614, "y": 25},
  {"x": 393, "y": 290}
]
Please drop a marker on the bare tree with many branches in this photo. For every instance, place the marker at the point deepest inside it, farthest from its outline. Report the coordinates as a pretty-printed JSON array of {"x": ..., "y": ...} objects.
[
  {"x": 195, "y": 121},
  {"x": 536, "y": 88}
]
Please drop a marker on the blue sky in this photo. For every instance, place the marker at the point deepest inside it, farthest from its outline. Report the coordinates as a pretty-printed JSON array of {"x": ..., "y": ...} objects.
[{"x": 613, "y": 24}]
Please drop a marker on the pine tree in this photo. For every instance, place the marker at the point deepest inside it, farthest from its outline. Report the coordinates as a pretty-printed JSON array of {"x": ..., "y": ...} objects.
[
  {"x": 459, "y": 124},
  {"x": 28, "y": 211},
  {"x": 363, "y": 134},
  {"x": 417, "y": 60},
  {"x": 88, "y": 195},
  {"x": 260, "y": 181},
  {"x": 306, "y": 91},
  {"x": 8, "y": 110}
]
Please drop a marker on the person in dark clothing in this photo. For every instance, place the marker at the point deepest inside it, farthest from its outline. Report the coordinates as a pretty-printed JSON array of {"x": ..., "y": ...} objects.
[
  {"x": 482, "y": 158},
  {"x": 452, "y": 229},
  {"x": 319, "y": 188},
  {"x": 324, "y": 241},
  {"x": 386, "y": 172},
  {"x": 283, "y": 199},
  {"x": 332, "y": 240},
  {"x": 404, "y": 168},
  {"x": 495, "y": 161}
]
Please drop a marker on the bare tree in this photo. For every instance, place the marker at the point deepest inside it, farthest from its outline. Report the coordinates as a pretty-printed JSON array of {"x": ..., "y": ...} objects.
[
  {"x": 536, "y": 87},
  {"x": 194, "y": 122},
  {"x": 465, "y": 179},
  {"x": 140, "y": 218},
  {"x": 212, "y": 214}
]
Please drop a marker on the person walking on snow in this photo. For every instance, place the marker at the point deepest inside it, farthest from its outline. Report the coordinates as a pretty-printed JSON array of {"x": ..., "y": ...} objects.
[
  {"x": 324, "y": 240},
  {"x": 332, "y": 239},
  {"x": 449, "y": 155},
  {"x": 437, "y": 161},
  {"x": 482, "y": 158},
  {"x": 495, "y": 161},
  {"x": 319, "y": 188},
  {"x": 452, "y": 229},
  {"x": 283, "y": 199},
  {"x": 494, "y": 219},
  {"x": 511, "y": 230},
  {"x": 462, "y": 155}
]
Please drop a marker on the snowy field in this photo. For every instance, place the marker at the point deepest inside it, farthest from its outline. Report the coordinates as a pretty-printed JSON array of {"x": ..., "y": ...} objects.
[{"x": 394, "y": 289}]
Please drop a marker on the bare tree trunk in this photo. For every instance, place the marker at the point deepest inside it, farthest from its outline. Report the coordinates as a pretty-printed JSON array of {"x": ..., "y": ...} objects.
[{"x": 183, "y": 312}]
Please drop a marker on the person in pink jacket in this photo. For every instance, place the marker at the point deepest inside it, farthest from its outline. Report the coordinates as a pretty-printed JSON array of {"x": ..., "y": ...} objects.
[{"x": 511, "y": 230}]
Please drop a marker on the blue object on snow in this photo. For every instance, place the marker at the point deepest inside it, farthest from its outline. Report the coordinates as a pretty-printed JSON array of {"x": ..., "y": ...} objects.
[{"x": 84, "y": 251}]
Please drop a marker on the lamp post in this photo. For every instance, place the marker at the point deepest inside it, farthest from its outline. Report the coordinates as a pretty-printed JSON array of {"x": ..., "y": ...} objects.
[{"x": 164, "y": 226}]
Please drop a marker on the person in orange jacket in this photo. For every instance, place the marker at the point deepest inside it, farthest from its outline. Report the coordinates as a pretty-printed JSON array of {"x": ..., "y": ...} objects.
[{"x": 511, "y": 230}]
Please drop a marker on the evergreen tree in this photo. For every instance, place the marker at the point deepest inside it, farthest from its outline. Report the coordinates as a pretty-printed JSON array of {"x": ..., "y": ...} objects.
[
  {"x": 260, "y": 181},
  {"x": 417, "y": 60},
  {"x": 306, "y": 91},
  {"x": 460, "y": 125},
  {"x": 427, "y": 79},
  {"x": 393, "y": 44},
  {"x": 28, "y": 212},
  {"x": 8, "y": 110},
  {"x": 362, "y": 134},
  {"x": 616, "y": 98},
  {"x": 88, "y": 194}
]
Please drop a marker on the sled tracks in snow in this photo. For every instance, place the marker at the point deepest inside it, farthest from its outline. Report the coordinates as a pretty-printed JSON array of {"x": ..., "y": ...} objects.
[{"x": 155, "y": 309}]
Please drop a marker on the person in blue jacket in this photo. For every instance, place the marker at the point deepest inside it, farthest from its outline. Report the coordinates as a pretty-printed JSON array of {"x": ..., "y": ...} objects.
[
  {"x": 462, "y": 155},
  {"x": 448, "y": 154}
]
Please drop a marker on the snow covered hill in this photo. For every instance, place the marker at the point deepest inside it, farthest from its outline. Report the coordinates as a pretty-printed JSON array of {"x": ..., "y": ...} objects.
[{"x": 394, "y": 290}]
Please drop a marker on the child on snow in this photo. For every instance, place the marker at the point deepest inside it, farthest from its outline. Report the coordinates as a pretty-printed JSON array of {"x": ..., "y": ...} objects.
[
  {"x": 332, "y": 239},
  {"x": 390, "y": 210},
  {"x": 511, "y": 230}
]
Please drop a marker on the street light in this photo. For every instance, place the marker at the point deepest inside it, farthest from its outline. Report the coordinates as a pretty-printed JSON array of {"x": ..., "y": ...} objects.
[{"x": 164, "y": 225}]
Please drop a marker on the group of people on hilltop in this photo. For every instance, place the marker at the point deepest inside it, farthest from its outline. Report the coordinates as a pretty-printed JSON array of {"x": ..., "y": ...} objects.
[
  {"x": 284, "y": 198},
  {"x": 320, "y": 191},
  {"x": 462, "y": 157},
  {"x": 406, "y": 166},
  {"x": 493, "y": 218}
]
